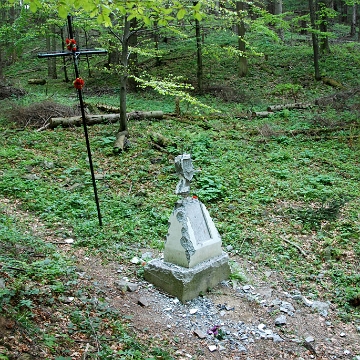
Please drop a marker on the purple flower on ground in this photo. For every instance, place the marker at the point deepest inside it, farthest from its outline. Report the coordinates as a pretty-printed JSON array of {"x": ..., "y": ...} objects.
[{"x": 214, "y": 330}]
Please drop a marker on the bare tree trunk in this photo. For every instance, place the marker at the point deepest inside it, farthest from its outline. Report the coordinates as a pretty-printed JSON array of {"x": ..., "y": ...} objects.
[
  {"x": 324, "y": 40},
  {"x": 133, "y": 58},
  {"x": 66, "y": 77},
  {"x": 314, "y": 39},
  {"x": 278, "y": 11},
  {"x": 124, "y": 76},
  {"x": 243, "y": 62},
  {"x": 199, "y": 72},
  {"x": 156, "y": 43},
  {"x": 353, "y": 21},
  {"x": 51, "y": 46}
]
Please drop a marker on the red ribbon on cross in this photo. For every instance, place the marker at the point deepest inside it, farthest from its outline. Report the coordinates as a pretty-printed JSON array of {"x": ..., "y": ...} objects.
[{"x": 79, "y": 83}]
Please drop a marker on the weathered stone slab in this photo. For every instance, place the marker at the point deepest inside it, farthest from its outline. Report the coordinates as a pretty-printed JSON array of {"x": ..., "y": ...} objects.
[
  {"x": 187, "y": 283},
  {"x": 192, "y": 236}
]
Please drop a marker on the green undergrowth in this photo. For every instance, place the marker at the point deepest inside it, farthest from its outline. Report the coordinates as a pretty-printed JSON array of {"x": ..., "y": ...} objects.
[
  {"x": 283, "y": 190},
  {"x": 42, "y": 298}
]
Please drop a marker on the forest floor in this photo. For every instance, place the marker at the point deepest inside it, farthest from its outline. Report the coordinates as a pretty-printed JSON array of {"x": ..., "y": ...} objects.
[{"x": 245, "y": 314}]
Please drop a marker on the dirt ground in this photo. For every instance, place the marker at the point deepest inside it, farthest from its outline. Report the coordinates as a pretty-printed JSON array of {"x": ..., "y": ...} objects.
[
  {"x": 331, "y": 339},
  {"x": 245, "y": 313}
]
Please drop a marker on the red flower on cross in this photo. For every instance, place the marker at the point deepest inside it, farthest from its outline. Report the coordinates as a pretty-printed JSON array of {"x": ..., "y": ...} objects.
[
  {"x": 71, "y": 44},
  {"x": 79, "y": 83}
]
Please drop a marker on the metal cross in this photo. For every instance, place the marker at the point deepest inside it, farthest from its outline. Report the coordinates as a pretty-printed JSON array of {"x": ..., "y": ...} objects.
[{"x": 74, "y": 51}]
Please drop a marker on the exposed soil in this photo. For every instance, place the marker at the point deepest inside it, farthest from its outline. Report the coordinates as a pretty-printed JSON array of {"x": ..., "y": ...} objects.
[
  {"x": 332, "y": 338},
  {"x": 245, "y": 313}
]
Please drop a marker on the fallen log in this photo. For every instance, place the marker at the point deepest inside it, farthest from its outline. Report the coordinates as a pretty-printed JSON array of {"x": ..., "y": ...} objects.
[
  {"x": 289, "y": 106},
  {"x": 161, "y": 141},
  {"x": 108, "y": 108},
  {"x": 36, "y": 81},
  {"x": 77, "y": 120},
  {"x": 103, "y": 119},
  {"x": 261, "y": 114},
  {"x": 121, "y": 141},
  {"x": 140, "y": 115}
]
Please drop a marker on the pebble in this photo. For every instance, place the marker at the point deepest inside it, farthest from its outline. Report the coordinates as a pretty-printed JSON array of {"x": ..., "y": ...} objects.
[
  {"x": 69, "y": 241},
  {"x": 276, "y": 302},
  {"x": 358, "y": 328},
  {"x": 135, "y": 260},
  {"x": 347, "y": 352},
  {"x": 321, "y": 307},
  {"x": 68, "y": 300},
  {"x": 147, "y": 256},
  {"x": 287, "y": 308},
  {"x": 229, "y": 248},
  {"x": 277, "y": 338},
  {"x": 309, "y": 339},
  {"x": 261, "y": 327},
  {"x": 246, "y": 288},
  {"x": 342, "y": 334},
  {"x": 212, "y": 348},
  {"x": 193, "y": 311},
  {"x": 124, "y": 285},
  {"x": 2, "y": 283},
  {"x": 143, "y": 302},
  {"x": 306, "y": 301},
  {"x": 200, "y": 334},
  {"x": 281, "y": 320}
]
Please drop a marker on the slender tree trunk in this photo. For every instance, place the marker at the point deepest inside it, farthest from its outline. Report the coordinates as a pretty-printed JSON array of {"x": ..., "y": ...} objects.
[
  {"x": 133, "y": 58},
  {"x": 124, "y": 76},
  {"x": 199, "y": 72},
  {"x": 278, "y": 6},
  {"x": 66, "y": 77},
  {"x": 243, "y": 63},
  {"x": 51, "y": 46},
  {"x": 156, "y": 44},
  {"x": 353, "y": 21},
  {"x": 314, "y": 39},
  {"x": 324, "y": 40}
]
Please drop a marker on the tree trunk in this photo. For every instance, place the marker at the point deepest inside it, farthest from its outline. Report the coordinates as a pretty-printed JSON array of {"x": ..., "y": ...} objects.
[
  {"x": 199, "y": 72},
  {"x": 51, "y": 46},
  {"x": 124, "y": 75},
  {"x": 133, "y": 58},
  {"x": 66, "y": 77},
  {"x": 156, "y": 44},
  {"x": 243, "y": 63},
  {"x": 314, "y": 39},
  {"x": 278, "y": 9},
  {"x": 353, "y": 21},
  {"x": 323, "y": 20},
  {"x": 288, "y": 106}
]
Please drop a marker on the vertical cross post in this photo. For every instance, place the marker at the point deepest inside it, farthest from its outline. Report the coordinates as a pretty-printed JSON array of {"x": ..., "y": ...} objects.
[{"x": 75, "y": 53}]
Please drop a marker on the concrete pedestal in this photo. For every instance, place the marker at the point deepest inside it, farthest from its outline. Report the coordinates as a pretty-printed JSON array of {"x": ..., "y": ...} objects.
[{"x": 188, "y": 283}]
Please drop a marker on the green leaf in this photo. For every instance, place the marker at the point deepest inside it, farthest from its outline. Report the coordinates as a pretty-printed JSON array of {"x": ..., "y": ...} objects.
[
  {"x": 33, "y": 6},
  {"x": 63, "y": 11},
  {"x": 197, "y": 16},
  {"x": 181, "y": 13}
]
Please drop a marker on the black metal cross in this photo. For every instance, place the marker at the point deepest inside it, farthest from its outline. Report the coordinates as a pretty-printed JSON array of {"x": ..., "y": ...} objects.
[{"x": 73, "y": 50}]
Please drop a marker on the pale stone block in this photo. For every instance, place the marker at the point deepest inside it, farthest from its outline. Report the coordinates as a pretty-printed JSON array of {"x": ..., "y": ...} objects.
[{"x": 192, "y": 237}]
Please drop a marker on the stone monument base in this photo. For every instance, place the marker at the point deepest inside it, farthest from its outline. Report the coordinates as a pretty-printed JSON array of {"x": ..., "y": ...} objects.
[{"x": 187, "y": 283}]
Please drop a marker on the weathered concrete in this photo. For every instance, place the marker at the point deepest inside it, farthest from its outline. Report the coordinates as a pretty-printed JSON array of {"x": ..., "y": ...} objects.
[
  {"x": 187, "y": 283},
  {"x": 192, "y": 237}
]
